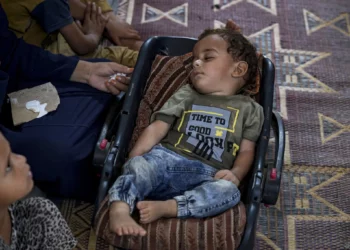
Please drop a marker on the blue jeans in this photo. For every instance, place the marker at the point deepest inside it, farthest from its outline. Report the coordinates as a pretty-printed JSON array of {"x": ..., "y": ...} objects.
[{"x": 162, "y": 174}]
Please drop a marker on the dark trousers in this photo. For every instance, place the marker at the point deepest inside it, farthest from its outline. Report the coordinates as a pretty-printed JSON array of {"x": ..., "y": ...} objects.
[{"x": 59, "y": 146}]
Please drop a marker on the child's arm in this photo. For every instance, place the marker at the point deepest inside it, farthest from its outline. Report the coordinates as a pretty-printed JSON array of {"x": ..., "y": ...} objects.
[
  {"x": 116, "y": 28},
  {"x": 85, "y": 39},
  {"x": 151, "y": 136},
  {"x": 162, "y": 120},
  {"x": 244, "y": 159},
  {"x": 242, "y": 164},
  {"x": 77, "y": 9}
]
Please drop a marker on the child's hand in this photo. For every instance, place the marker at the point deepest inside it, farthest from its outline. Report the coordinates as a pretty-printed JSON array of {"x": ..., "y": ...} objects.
[
  {"x": 227, "y": 175},
  {"x": 119, "y": 30},
  {"x": 94, "y": 22}
]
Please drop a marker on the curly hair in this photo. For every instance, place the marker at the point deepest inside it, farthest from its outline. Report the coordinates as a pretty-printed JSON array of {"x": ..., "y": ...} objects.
[{"x": 241, "y": 50}]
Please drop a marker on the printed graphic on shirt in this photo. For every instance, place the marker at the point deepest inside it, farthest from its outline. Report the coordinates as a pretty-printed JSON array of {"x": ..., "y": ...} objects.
[{"x": 208, "y": 128}]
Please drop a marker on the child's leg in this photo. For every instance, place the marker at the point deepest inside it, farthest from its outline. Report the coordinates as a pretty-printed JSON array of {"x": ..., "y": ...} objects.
[
  {"x": 197, "y": 193},
  {"x": 208, "y": 199},
  {"x": 141, "y": 176}
]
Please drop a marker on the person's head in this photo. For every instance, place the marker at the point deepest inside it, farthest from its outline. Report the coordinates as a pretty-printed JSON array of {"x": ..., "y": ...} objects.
[
  {"x": 224, "y": 62},
  {"x": 15, "y": 176}
]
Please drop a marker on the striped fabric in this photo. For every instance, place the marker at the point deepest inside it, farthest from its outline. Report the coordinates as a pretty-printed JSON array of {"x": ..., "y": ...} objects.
[
  {"x": 222, "y": 232},
  {"x": 168, "y": 74}
]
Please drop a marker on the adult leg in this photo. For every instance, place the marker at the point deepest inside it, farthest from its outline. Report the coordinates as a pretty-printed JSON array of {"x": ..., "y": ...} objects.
[{"x": 59, "y": 145}]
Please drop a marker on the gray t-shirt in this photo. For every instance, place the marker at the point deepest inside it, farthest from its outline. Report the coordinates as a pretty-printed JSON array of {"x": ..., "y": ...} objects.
[{"x": 209, "y": 128}]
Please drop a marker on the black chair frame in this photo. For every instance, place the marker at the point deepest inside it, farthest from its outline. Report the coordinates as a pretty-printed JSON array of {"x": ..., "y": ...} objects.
[{"x": 112, "y": 147}]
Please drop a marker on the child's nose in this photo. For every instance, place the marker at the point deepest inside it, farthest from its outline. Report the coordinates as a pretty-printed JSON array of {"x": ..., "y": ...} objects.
[{"x": 197, "y": 63}]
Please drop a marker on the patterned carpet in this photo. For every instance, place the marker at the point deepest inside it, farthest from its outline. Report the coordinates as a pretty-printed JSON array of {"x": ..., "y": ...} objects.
[{"x": 309, "y": 42}]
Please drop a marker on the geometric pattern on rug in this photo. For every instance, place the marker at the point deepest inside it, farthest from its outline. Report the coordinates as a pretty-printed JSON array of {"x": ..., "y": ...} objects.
[
  {"x": 330, "y": 128},
  {"x": 79, "y": 215},
  {"x": 290, "y": 65},
  {"x": 314, "y": 23},
  {"x": 312, "y": 94},
  {"x": 312, "y": 200},
  {"x": 178, "y": 14},
  {"x": 318, "y": 129},
  {"x": 267, "y": 5},
  {"x": 123, "y": 8}
]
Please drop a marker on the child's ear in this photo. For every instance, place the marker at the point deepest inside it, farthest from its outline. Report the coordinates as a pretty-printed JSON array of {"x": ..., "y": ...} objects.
[{"x": 240, "y": 69}]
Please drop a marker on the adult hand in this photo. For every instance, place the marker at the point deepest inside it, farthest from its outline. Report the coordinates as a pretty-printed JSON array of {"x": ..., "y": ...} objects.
[
  {"x": 227, "y": 175},
  {"x": 100, "y": 74}
]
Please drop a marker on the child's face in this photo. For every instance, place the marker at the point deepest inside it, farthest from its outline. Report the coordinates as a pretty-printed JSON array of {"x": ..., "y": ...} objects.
[
  {"x": 213, "y": 67},
  {"x": 15, "y": 176}
]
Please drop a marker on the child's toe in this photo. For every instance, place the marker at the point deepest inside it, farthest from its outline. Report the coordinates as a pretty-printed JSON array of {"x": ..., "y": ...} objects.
[{"x": 141, "y": 205}]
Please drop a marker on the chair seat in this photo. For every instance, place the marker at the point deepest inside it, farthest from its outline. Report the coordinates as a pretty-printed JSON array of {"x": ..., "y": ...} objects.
[{"x": 223, "y": 231}]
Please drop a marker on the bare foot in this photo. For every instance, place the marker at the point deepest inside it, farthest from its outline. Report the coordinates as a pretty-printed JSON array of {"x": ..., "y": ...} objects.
[
  {"x": 121, "y": 222},
  {"x": 153, "y": 210}
]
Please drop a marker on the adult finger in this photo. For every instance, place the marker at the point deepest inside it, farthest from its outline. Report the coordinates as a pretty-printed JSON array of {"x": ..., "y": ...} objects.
[
  {"x": 123, "y": 79},
  {"x": 120, "y": 85},
  {"x": 110, "y": 85},
  {"x": 118, "y": 68}
]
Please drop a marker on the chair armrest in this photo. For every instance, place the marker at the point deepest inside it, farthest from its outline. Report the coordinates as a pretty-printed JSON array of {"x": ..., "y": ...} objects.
[
  {"x": 125, "y": 124},
  {"x": 107, "y": 133},
  {"x": 275, "y": 168}
]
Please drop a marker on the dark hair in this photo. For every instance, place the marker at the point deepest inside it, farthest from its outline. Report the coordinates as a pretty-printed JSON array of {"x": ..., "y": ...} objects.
[{"x": 240, "y": 49}]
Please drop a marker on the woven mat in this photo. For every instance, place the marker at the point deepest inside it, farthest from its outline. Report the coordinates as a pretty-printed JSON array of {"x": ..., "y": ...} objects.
[{"x": 309, "y": 42}]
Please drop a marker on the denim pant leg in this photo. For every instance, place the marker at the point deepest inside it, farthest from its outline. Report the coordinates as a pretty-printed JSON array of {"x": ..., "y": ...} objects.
[
  {"x": 198, "y": 195},
  {"x": 208, "y": 199},
  {"x": 140, "y": 177}
]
